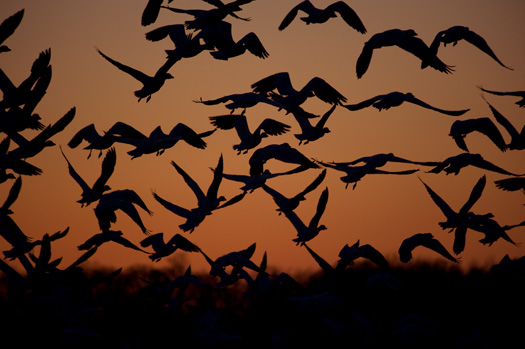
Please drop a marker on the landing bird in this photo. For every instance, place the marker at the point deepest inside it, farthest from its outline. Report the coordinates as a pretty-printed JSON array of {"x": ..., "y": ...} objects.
[
  {"x": 93, "y": 193},
  {"x": 454, "y": 164},
  {"x": 150, "y": 84},
  {"x": 461, "y": 128},
  {"x": 164, "y": 249},
  {"x": 395, "y": 99},
  {"x": 219, "y": 39},
  {"x": 281, "y": 152},
  {"x": 186, "y": 45},
  {"x": 123, "y": 200},
  {"x": 426, "y": 240},
  {"x": 249, "y": 140},
  {"x": 457, "y": 33},
  {"x": 309, "y": 132},
  {"x": 511, "y": 184},
  {"x": 458, "y": 221},
  {"x": 521, "y": 94},
  {"x": 286, "y": 204},
  {"x": 206, "y": 18},
  {"x": 8, "y": 27},
  {"x": 107, "y": 236},
  {"x": 349, "y": 254},
  {"x": 517, "y": 139},
  {"x": 307, "y": 232},
  {"x": 316, "y": 15},
  {"x": 404, "y": 39}
]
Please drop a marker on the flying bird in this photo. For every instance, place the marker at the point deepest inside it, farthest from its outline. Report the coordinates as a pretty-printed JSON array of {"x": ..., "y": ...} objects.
[
  {"x": 164, "y": 249},
  {"x": 461, "y": 128},
  {"x": 186, "y": 45},
  {"x": 107, "y": 236},
  {"x": 404, "y": 39},
  {"x": 426, "y": 240},
  {"x": 349, "y": 254},
  {"x": 15, "y": 164},
  {"x": 316, "y": 15},
  {"x": 8, "y": 27},
  {"x": 252, "y": 182},
  {"x": 511, "y": 184},
  {"x": 521, "y": 94},
  {"x": 517, "y": 139},
  {"x": 150, "y": 84},
  {"x": 457, "y": 33},
  {"x": 381, "y": 159},
  {"x": 93, "y": 193},
  {"x": 454, "y": 164},
  {"x": 395, "y": 99},
  {"x": 241, "y": 101},
  {"x": 281, "y": 152},
  {"x": 151, "y": 12},
  {"x": 249, "y": 140},
  {"x": 309, "y": 132}
]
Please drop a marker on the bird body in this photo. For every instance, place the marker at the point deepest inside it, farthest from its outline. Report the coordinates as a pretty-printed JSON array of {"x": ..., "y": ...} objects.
[
  {"x": 484, "y": 125},
  {"x": 282, "y": 152},
  {"x": 308, "y": 232},
  {"x": 164, "y": 249},
  {"x": 349, "y": 254},
  {"x": 426, "y": 240},
  {"x": 454, "y": 164},
  {"x": 186, "y": 45}
]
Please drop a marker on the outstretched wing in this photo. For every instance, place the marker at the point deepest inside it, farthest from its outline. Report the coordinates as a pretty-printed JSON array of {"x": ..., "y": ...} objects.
[
  {"x": 348, "y": 14},
  {"x": 410, "y": 98},
  {"x": 140, "y": 76}
]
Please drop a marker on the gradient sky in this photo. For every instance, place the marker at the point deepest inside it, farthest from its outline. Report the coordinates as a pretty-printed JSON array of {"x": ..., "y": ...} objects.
[{"x": 382, "y": 210}]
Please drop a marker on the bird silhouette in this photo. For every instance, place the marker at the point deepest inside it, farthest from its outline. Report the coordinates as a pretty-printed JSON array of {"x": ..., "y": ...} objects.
[
  {"x": 461, "y": 128},
  {"x": 404, "y": 39},
  {"x": 309, "y": 132},
  {"x": 521, "y": 94},
  {"x": 426, "y": 240},
  {"x": 381, "y": 159},
  {"x": 15, "y": 164},
  {"x": 235, "y": 259},
  {"x": 395, "y": 99},
  {"x": 307, "y": 232},
  {"x": 164, "y": 249},
  {"x": 285, "y": 204},
  {"x": 123, "y": 200},
  {"x": 457, "y": 33},
  {"x": 93, "y": 193},
  {"x": 249, "y": 140},
  {"x": 458, "y": 221},
  {"x": 150, "y": 84},
  {"x": 349, "y": 254},
  {"x": 8, "y": 27},
  {"x": 282, "y": 152},
  {"x": 252, "y": 182},
  {"x": 151, "y": 12},
  {"x": 115, "y": 236},
  {"x": 517, "y": 139},
  {"x": 511, "y": 184},
  {"x": 241, "y": 101},
  {"x": 186, "y": 45},
  {"x": 492, "y": 231},
  {"x": 454, "y": 164},
  {"x": 316, "y": 15}
]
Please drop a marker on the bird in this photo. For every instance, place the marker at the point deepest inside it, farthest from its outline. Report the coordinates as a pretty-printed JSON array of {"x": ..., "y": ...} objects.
[
  {"x": 457, "y": 33},
  {"x": 219, "y": 39},
  {"x": 123, "y": 200},
  {"x": 240, "y": 258},
  {"x": 206, "y": 18},
  {"x": 106, "y": 236},
  {"x": 381, "y": 159},
  {"x": 458, "y": 221},
  {"x": 93, "y": 193},
  {"x": 309, "y": 132},
  {"x": 286, "y": 204},
  {"x": 282, "y": 152},
  {"x": 151, "y": 12},
  {"x": 8, "y": 27},
  {"x": 252, "y": 182},
  {"x": 17, "y": 165},
  {"x": 395, "y": 99},
  {"x": 164, "y": 249},
  {"x": 186, "y": 45},
  {"x": 404, "y": 39},
  {"x": 426, "y": 240},
  {"x": 521, "y": 94},
  {"x": 249, "y": 140},
  {"x": 511, "y": 184},
  {"x": 517, "y": 139},
  {"x": 489, "y": 227},
  {"x": 484, "y": 125},
  {"x": 317, "y": 15},
  {"x": 150, "y": 84},
  {"x": 454, "y": 164},
  {"x": 308, "y": 232},
  {"x": 241, "y": 101},
  {"x": 349, "y": 254}
]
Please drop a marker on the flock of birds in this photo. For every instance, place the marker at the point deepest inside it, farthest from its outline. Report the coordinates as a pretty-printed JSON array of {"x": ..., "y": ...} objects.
[{"x": 209, "y": 31}]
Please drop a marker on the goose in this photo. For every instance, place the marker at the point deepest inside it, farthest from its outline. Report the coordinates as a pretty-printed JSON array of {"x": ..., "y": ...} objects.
[
  {"x": 517, "y": 139},
  {"x": 354, "y": 174},
  {"x": 316, "y": 15},
  {"x": 490, "y": 228},
  {"x": 349, "y": 254},
  {"x": 241, "y": 101},
  {"x": 381, "y": 159},
  {"x": 123, "y": 200},
  {"x": 454, "y": 164},
  {"x": 252, "y": 182},
  {"x": 282, "y": 152},
  {"x": 461, "y": 128},
  {"x": 511, "y": 184},
  {"x": 219, "y": 39},
  {"x": 206, "y": 18},
  {"x": 106, "y": 236},
  {"x": 426, "y": 240},
  {"x": 521, "y": 94},
  {"x": 164, "y": 249},
  {"x": 150, "y": 84},
  {"x": 186, "y": 45},
  {"x": 404, "y": 39},
  {"x": 457, "y": 33},
  {"x": 249, "y": 140},
  {"x": 93, "y": 193},
  {"x": 8, "y": 27},
  {"x": 458, "y": 221},
  {"x": 285, "y": 204},
  {"x": 395, "y": 99},
  {"x": 193, "y": 217},
  {"x": 308, "y": 232},
  {"x": 21, "y": 246},
  {"x": 309, "y": 132},
  {"x": 17, "y": 165}
]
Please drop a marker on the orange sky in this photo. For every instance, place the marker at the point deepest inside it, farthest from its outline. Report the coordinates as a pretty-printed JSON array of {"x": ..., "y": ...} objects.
[{"x": 382, "y": 211}]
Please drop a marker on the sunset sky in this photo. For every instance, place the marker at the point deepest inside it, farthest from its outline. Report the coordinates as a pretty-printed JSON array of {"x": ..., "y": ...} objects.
[{"x": 382, "y": 210}]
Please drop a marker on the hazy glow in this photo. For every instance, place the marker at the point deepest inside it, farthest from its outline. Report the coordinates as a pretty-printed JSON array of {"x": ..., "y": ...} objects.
[{"x": 381, "y": 211}]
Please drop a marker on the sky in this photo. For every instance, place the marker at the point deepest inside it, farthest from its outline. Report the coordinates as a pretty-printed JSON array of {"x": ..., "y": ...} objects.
[{"x": 382, "y": 210}]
